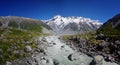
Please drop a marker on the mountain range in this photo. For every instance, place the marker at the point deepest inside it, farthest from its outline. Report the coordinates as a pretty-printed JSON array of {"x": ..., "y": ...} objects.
[
  {"x": 57, "y": 24},
  {"x": 72, "y": 25}
]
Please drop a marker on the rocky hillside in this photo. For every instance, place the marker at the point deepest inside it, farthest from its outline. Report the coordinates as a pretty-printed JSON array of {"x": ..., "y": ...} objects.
[
  {"x": 22, "y": 23},
  {"x": 92, "y": 45},
  {"x": 111, "y": 28},
  {"x": 72, "y": 25}
]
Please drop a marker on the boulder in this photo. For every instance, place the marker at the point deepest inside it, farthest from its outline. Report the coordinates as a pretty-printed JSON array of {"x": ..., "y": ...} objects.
[
  {"x": 28, "y": 49},
  {"x": 74, "y": 56},
  {"x": 118, "y": 52},
  {"x": 44, "y": 39},
  {"x": 117, "y": 42},
  {"x": 62, "y": 47},
  {"x": 98, "y": 59},
  {"x": 1, "y": 51},
  {"x": 103, "y": 43},
  {"x": 55, "y": 62},
  {"x": 46, "y": 60},
  {"x": 54, "y": 43},
  {"x": 41, "y": 48},
  {"x": 8, "y": 63}
]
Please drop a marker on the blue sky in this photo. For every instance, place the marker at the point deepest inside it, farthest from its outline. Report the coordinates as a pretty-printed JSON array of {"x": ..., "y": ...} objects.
[{"x": 45, "y": 9}]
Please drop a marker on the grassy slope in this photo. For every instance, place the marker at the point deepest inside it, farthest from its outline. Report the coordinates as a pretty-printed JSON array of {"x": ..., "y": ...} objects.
[
  {"x": 89, "y": 36},
  {"x": 11, "y": 39},
  {"x": 31, "y": 26}
]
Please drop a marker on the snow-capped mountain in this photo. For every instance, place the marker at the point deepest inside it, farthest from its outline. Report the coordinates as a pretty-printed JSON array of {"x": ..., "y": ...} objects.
[{"x": 72, "y": 24}]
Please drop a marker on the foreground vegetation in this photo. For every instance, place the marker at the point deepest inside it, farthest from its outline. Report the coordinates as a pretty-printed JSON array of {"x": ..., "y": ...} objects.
[
  {"x": 108, "y": 31},
  {"x": 87, "y": 36},
  {"x": 13, "y": 42},
  {"x": 17, "y": 34}
]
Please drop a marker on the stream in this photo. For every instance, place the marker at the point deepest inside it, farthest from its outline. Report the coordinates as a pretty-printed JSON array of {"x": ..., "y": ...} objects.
[{"x": 60, "y": 52}]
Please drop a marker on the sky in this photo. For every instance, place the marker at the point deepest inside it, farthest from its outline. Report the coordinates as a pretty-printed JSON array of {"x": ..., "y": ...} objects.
[{"x": 101, "y": 10}]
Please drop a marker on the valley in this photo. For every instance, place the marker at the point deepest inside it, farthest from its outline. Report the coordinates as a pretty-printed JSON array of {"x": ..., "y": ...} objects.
[{"x": 58, "y": 41}]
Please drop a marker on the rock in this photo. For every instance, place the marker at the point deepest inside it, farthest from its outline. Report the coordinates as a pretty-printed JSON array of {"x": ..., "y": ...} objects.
[
  {"x": 10, "y": 51},
  {"x": 22, "y": 41},
  {"x": 41, "y": 48},
  {"x": 4, "y": 40},
  {"x": 54, "y": 43},
  {"x": 8, "y": 63},
  {"x": 98, "y": 59},
  {"x": 104, "y": 43},
  {"x": 28, "y": 42},
  {"x": 38, "y": 41},
  {"x": 55, "y": 62},
  {"x": 74, "y": 56},
  {"x": 118, "y": 52},
  {"x": 70, "y": 57},
  {"x": 44, "y": 60},
  {"x": 92, "y": 63},
  {"x": 1, "y": 51},
  {"x": 101, "y": 37},
  {"x": 17, "y": 53},
  {"x": 44, "y": 39},
  {"x": 28, "y": 49},
  {"x": 109, "y": 58},
  {"x": 117, "y": 42},
  {"x": 62, "y": 47}
]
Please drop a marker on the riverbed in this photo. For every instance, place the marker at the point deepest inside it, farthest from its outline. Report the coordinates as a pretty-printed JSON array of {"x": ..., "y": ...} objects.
[{"x": 60, "y": 52}]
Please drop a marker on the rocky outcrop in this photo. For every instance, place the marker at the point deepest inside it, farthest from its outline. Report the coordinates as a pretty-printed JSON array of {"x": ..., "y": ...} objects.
[{"x": 108, "y": 49}]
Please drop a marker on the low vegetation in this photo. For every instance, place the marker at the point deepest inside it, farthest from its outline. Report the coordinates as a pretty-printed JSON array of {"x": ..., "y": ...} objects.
[
  {"x": 13, "y": 42},
  {"x": 17, "y": 33},
  {"x": 31, "y": 26},
  {"x": 87, "y": 36}
]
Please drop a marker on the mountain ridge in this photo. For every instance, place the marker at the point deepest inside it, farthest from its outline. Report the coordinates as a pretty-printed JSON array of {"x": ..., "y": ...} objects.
[
  {"x": 23, "y": 23},
  {"x": 113, "y": 25},
  {"x": 63, "y": 25}
]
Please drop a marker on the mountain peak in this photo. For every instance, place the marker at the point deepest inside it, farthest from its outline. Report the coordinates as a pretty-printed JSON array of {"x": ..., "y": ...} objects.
[{"x": 57, "y": 16}]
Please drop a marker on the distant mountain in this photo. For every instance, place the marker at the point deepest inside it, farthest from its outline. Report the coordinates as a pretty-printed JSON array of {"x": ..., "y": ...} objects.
[
  {"x": 23, "y": 23},
  {"x": 111, "y": 27},
  {"x": 70, "y": 25}
]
